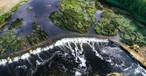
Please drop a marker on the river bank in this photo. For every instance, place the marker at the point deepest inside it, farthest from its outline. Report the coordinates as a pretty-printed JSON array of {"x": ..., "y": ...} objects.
[
  {"x": 7, "y": 7},
  {"x": 139, "y": 55},
  {"x": 4, "y": 7}
]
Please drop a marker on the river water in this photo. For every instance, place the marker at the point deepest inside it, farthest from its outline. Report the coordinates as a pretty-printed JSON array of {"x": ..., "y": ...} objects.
[
  {"x": 76, "y": 56},
  {"x": 40, "y": 10}
]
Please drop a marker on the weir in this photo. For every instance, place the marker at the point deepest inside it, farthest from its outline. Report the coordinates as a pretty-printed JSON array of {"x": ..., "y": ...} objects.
[{"x": 76, "y": 56}]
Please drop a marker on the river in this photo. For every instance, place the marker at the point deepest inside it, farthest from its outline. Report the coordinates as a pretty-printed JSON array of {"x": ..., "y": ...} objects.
[{"x": 73, "y": 56}]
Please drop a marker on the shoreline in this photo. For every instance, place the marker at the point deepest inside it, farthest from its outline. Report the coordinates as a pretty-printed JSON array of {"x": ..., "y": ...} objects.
[
  {"x": 4, "y": 16},
  {"x": 134, "y": 54}
]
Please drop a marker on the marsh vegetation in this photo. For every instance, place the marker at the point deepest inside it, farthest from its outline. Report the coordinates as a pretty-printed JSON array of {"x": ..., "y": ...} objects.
[
  {"x": 7, "y": 10},
  {"x": 78, "y": 16},
  {"x": 34, "y": 23}
]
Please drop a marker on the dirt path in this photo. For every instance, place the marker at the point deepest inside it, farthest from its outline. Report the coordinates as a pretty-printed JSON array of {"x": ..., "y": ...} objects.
[
  {"x": 139, "y": 56},
  {"x": 6, "y": 5}
]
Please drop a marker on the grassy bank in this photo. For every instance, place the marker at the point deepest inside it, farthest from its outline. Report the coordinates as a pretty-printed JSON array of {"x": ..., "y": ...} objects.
[
  {"x": 136, "y": 7},
  {"x": 111, "y": 24},
  {"x": 6, "y": 15}
]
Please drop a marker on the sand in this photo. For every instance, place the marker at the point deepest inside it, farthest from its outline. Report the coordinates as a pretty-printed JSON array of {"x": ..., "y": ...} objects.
[{"x": 7, "y": 5}]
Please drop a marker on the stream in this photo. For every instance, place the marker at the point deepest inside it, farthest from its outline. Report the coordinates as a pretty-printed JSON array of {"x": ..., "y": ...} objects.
[{"x": 69, "y": 56}]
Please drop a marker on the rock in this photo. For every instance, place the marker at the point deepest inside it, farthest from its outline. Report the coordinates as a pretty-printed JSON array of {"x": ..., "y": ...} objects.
[{"x": 115, "y": 74}]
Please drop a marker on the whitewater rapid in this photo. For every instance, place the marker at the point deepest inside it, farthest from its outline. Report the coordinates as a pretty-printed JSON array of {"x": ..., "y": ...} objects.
[{"x": 77, "y": 56}]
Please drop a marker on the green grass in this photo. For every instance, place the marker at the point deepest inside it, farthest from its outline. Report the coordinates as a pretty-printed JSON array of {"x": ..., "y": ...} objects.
[
  {"x": 130, "y": 31},
  {"x": 3, "y": 17},
  {"x": 136, "y": 7}
]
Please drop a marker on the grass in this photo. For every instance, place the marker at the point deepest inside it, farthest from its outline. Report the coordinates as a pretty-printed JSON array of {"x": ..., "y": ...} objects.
[
  {"x": 5, "y": 13},
  {"x": 136, "y": 7},
  {"x": 131, "y": 31}
]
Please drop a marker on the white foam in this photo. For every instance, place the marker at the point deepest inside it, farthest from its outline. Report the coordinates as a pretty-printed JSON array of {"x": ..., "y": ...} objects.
[
  {"x": 38, "y": 50},
  {"x": 140, "y": 70},
  {"x": 61, "y": 42},
  {"x": 25, "y": 56},
  {"x": 77, "y": 73},
  {"x": 38, "y": 63},
  {"x": 83, "y": 62},
  {"x": 3, "y": 62},
  {"x": 79, "y": 40},
  {"x": 16, "y": 59}
]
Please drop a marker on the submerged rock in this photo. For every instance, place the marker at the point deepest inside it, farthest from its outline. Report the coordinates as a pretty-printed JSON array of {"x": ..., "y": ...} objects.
[{"x": 16, "y": 24}]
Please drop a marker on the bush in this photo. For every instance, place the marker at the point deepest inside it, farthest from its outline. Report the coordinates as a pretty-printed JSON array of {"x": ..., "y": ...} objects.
[
  {"x": 107, "y": 25},
  {"x": 111, "y": 23},
  {"x": 129, "y": 32},
  {"x": 77, "y": 15},
  {"x": 136, "y": 7}
]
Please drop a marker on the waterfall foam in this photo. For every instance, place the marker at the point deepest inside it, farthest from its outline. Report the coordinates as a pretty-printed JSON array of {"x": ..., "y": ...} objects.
[{"x": 77, "y": 56}]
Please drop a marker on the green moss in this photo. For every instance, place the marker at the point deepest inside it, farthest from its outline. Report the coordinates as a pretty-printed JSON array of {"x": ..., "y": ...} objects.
[
  {"x": 77, "y": 15},
  {"x": 16, "y": 24}
]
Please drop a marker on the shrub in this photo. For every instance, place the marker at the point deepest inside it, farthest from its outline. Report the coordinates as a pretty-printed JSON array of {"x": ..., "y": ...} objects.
[
  {"x": 136, "y": 7},
  {"x": 76, "y": 15}
]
